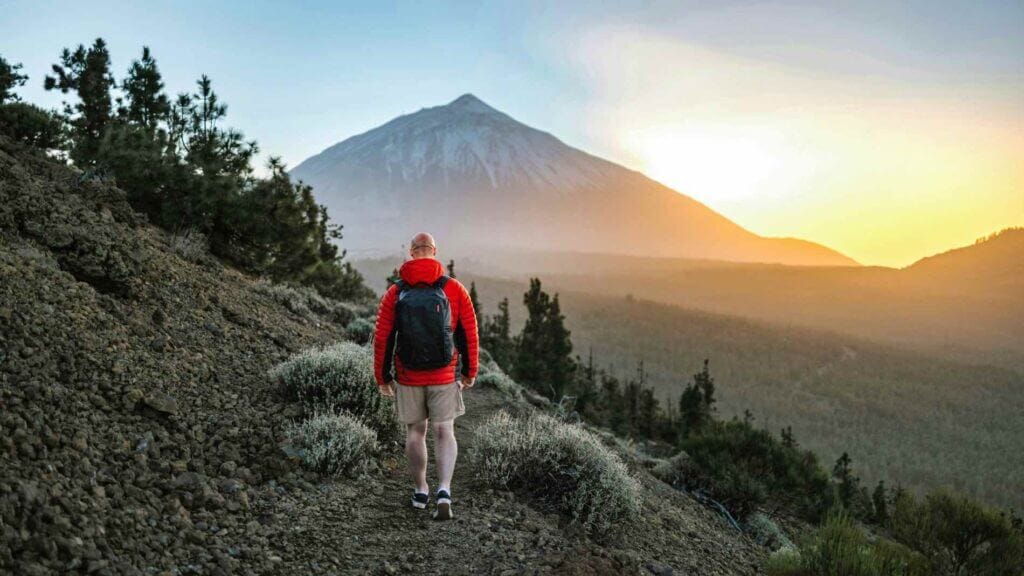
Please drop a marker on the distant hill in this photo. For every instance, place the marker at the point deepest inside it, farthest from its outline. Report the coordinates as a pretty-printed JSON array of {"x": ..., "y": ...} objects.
[
  {"x": 965, "y": 303},
  {"x": 998, "y": 258},
  {"x": 483, "y": 180}
]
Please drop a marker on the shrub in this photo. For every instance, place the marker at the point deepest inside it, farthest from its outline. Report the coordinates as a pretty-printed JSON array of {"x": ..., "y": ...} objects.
[
  {"x": 563, "y": 465},
  {"x": 33, "y": 126},
  {"x": 767, "y": 533},
  {"x": 335, "y": 444},
  {"x": 306, "y": 302},
  {"x": 191, "y": 245},
  {"x": 500, "y": 382},
  {"x": 958, "y": 535},
  {"x": 338, "y": 379},
  {"x": 360, "y": 330},
  {"x": 840, "y": 547},
  {"x": 744, "y": 468}
]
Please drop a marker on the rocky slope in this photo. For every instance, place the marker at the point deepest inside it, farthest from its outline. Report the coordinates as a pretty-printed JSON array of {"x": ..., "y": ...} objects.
[
  {"x": 480, "y": 179},
  {"x": 140, "y": 435}
]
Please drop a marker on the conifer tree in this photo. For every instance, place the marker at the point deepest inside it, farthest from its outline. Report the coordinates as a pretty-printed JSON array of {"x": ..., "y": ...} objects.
[
  {"x": 10, "y": 79},
  {"x": 496, "y": 337},
  {"x": 24, "y": 122},
  {"x": 476, "y": 302},
  {"x": 878, "y": 498},
  {"x": 451, "y": 268},
  {"x": 147, "y": 104},
  {"x": 531, "y": 351},
  {"x": 788, "y": 440},
  {"x": 393, "y": 278},
  {"x": 86, "y": 72},
  {"x": 846, "y": 482},
  {"x": 706, "y": 384},
  {"x": 697, "y": 403},
  {"x": 691, "y": 411},
  {"x": 562, "y": 365},
  {"x": 648, "y": 424}
]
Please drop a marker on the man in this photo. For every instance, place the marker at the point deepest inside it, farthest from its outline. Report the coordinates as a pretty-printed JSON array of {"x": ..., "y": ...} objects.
[{"x": 425, "y": 323}]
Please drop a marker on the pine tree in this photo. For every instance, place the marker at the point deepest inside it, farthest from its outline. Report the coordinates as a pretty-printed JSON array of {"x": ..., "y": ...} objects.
[
  {"x": 611, "y": 404},
  {"x": 148, "y": 106},
  {"x": 204, "y": 145},
  {"x": 878, "y": 498},
  {"x": 585, "y": 386},
  {"x": 846, "y": 482},
  {"x": 697, "y": 403},
  {"x": 9, "y": 80},
  {"x": 691, "y": 411},
  {"x": 496, "y": 337},
  {"x": 650, "y": 417},
  {"x": 451, "y": 268},
  {"x": 562, "y": 367},
  {"x": 631, "y": 393},
  {"x": 393, "y": 278},
  {"x": 87, "y": 73},
  {"x": 531, "y": 351},
  {"x": 787, "y": 438},
  {"x": 706, "y": 384},
  {"x": 476, "y": 303}
]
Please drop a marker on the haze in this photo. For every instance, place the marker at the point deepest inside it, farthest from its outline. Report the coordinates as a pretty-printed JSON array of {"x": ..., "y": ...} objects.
[{"x": 887, "y": 133}]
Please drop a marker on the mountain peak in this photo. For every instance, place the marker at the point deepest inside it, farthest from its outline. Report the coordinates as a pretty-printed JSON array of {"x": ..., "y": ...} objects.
[{"x": 470, "y": 103}]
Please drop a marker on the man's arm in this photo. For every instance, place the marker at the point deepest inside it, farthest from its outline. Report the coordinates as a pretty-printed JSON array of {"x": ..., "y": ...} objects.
[
  {"x": 467, "y": 339},
  {"x": 384, "y": 337}
]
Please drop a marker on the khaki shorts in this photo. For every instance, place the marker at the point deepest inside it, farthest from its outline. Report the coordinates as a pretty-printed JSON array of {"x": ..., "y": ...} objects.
[{"x": 439, "y": 403}]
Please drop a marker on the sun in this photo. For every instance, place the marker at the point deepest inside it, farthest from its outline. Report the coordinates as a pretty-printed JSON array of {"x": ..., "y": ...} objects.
[{"x": 716, "y": 166}]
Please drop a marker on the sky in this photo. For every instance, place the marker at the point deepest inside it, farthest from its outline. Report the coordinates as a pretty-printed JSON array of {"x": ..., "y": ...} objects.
[{"x": 886, "y": 130}]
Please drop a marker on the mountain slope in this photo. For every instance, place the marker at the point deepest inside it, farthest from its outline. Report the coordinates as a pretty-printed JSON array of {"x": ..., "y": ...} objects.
[
  {"x": 139, "y": 432},
  {"x": 479, "y": 179}
]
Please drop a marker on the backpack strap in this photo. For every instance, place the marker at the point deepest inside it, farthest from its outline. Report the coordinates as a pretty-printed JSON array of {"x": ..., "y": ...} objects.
[
  {"x": 440, "y": 282},
  {"x": 401, "y": 285}
]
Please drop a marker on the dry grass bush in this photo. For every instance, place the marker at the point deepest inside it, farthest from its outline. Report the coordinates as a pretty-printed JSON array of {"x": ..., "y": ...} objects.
[
  {"x": 360, "y": 330},
  {"x": 563, "y": 465},
  {"x": 190, "y": 244},
  {"x": 338, "y": 379},
  {"x": 498, "y": 380},
  {"x": 335, "y": 444},
  {"x": 307, "y": 303}
]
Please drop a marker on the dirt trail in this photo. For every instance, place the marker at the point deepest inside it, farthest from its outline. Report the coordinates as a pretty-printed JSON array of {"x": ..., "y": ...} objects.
[{"x": 367, "y": 527}]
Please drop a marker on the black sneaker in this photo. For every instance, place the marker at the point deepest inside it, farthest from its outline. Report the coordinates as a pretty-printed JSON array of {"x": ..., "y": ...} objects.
[
  {"x": 419, "y": 500},
  {"x": 443, "y": 510}
]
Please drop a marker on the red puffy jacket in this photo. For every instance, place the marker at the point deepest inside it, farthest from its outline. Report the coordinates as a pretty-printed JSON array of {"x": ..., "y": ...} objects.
[{"x": 463, "y": 319}]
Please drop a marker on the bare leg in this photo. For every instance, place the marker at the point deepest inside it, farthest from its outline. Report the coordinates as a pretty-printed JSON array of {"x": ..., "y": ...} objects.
[
  {"x": 446, "y": 450},
  {"x": 416, "y": 452}
]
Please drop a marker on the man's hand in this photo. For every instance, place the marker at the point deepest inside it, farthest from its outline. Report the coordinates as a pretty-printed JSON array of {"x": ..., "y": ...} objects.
[
  {"x": 466, "y": 382},
  {"x": 387, "y": 390}
]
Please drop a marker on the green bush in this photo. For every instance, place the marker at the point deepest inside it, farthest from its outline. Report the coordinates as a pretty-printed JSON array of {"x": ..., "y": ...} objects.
[
  {"x": 335, "y": 444},
  {"x": 563, "y": 465},
  {"x": 33, "y": 126},
  {"x": 745, "y": 468},
  {"x": 840, "y": 548},
  {"x": 958, "y": 535},
  {"x": 360, "y": 330},
  {"x": 338, "y": 379}
]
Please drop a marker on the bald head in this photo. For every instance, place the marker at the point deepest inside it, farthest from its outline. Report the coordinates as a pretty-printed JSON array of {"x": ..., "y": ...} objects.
[{"x": 422, "y": 246}]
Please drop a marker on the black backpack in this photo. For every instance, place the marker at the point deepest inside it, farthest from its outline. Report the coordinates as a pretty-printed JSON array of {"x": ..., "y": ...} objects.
[{"x": 423, "y": 321}]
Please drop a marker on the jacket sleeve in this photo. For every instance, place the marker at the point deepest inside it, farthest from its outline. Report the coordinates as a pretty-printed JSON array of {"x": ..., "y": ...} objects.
[
  {"x": 468, "y": 339},
  {"x": 384, "y": 337}
]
